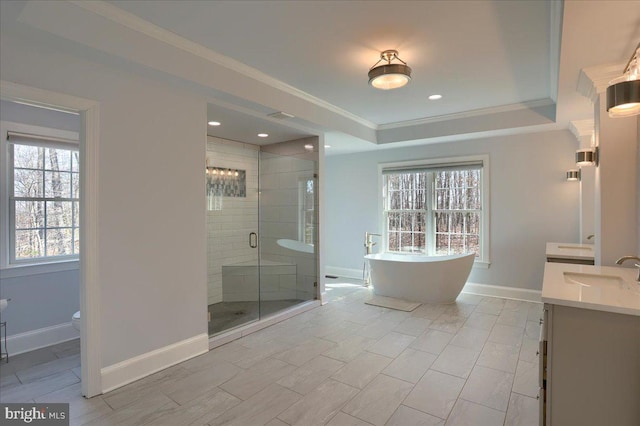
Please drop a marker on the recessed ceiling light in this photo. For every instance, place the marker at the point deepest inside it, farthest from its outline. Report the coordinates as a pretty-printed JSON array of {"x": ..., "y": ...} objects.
[
  {"x": 308, "y": 147},
  {"x": 213, "y": 123},
  {"x": 263, "y": 135},
  {"x": 435, "y": 97}
]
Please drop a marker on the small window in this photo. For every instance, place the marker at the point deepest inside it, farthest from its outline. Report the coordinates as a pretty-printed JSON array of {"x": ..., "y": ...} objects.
[
  {"x": 306, "y": 215},
  {"x": 436, "y": 208},
  {"x": 43, "y": 198}
]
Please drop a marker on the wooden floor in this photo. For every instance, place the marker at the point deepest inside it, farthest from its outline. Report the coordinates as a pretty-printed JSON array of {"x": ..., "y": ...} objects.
[{"x": 346, "y": 363}]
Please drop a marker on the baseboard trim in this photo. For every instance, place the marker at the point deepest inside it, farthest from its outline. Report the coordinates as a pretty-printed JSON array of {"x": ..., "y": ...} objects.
[
  {"x": 130, "y": 370},
  {"x": 504, "y": 292},
  {"x": 355, "y": 274},
  {"x": 40, "y": 338}
]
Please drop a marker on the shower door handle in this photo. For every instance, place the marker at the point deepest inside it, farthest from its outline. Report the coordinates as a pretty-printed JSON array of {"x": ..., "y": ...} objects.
[{"x": 253, "y": 240}]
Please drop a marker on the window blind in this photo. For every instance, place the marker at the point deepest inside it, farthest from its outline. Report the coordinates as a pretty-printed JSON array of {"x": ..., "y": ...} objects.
[
  {"x": 436, "y": 167},
  {"x": 37, "y": 140}
]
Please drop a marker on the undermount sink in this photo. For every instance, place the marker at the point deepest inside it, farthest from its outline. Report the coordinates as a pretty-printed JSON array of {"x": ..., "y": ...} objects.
[
  {"x": 604, "y": 288},
  {"x": 593, "y": 280}
]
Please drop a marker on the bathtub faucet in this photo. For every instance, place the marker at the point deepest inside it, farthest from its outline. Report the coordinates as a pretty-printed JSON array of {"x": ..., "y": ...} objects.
[
  {"x": 368, "y": 248},
  {"x": 368, "y": 242}
]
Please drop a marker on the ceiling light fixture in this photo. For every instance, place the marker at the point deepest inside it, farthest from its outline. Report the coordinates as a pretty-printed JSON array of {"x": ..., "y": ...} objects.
[
  {"x": 263, "y": 135},
  {"x": 623, "y": 93},
  {"x": 435, "y": 97},
  {"x": 389, "y": 76},
  {"x": 213, "y": 123}
]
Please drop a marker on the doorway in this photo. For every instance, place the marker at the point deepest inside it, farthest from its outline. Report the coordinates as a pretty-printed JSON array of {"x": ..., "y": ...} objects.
[{"x": 88, "y": 259}]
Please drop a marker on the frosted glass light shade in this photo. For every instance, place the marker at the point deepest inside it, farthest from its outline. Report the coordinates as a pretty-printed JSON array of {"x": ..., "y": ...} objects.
[{"x": 389, "y": 76}]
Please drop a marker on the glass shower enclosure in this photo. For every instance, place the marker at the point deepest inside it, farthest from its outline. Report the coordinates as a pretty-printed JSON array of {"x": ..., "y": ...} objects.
[{"x": 261, "y": 229}]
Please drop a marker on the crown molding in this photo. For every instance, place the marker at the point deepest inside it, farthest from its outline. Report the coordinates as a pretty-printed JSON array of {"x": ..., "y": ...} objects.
[
  {"x": 594, "y": 80},
  {"x": 466, "y": 114},
  {"x": 581, "y": 128},
  {"x": 133, "y": 22},
  {"x": 584, "y": 131}
]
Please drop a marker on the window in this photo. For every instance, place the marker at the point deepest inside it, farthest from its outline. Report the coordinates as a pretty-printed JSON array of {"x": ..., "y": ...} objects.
[
  {"x": 436, "y": 208},
  {"x": 306, "y": 215},
  {"x": 43, "y": 195}
]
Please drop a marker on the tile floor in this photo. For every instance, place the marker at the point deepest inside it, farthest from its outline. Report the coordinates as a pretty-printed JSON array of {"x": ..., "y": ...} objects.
[{"x": 471, "y": 363}]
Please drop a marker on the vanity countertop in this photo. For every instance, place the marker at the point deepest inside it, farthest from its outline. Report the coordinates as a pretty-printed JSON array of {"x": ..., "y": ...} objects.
[
  {"x": 602, "y": 288},
  {"x": 570, "y": 251}
]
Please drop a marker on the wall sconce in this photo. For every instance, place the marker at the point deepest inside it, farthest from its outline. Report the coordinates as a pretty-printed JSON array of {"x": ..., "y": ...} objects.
[
  {"x": 573, "y": 174},
  {"x": 623, "y": 93},
  {"x": 587, "y": 157}
]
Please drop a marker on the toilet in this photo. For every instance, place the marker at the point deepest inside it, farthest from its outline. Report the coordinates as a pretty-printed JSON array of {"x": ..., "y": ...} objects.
[{"x": 75, "y": 320}]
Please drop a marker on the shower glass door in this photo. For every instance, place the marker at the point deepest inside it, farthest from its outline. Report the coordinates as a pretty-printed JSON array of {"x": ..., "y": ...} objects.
[
  {"x": 232, "y": 183},
  {"x": 288, "y": 272}
]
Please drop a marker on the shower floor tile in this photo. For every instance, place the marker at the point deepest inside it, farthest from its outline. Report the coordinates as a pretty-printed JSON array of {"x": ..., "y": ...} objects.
[{"x": 227, "y": 315}]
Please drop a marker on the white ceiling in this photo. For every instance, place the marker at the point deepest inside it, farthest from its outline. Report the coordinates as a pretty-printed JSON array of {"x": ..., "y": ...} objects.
[
  {"x": 501, "y": 66},
  {"x": 477, "y": 54}
]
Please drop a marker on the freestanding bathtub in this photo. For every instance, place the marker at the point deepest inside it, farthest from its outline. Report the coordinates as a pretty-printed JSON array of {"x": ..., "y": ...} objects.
[{"x": 419, "y": 278}]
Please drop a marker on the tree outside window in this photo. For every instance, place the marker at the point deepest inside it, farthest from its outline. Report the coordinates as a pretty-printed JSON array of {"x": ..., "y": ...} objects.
[
  {"x": 307, "y": 212},
  {"x": 44, "y": 201},
  {"x": 434, "y": 210}
]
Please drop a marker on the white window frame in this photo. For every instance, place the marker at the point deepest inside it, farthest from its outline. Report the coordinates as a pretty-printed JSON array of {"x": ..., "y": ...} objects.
[
  {"x": 22, "y": 267},
  {"x": 302, "y": 188},
  {"x": 483, "y": 260}
]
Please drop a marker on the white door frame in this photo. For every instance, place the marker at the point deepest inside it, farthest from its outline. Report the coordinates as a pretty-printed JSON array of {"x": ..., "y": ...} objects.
[{"x": 90, "y": 339}]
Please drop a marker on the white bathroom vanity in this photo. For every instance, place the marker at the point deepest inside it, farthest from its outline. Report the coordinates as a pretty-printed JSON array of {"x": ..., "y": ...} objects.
[
  {"x": 590, "y": 346},
  {"x": 582, "y": 254}
]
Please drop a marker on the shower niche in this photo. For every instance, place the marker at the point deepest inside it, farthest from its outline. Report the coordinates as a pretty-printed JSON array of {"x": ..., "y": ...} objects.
[{"x": 256, "y": 198}]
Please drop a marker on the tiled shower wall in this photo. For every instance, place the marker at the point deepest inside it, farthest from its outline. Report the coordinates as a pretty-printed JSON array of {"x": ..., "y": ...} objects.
[{"x": 228, "y": 229}]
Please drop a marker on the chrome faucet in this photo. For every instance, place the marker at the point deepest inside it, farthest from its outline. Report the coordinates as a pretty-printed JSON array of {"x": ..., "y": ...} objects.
[
  {"x": 368, "y": 247},
  {"x": 625, "y": 258},
  {"x": 368, "y": 242}
]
